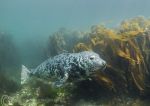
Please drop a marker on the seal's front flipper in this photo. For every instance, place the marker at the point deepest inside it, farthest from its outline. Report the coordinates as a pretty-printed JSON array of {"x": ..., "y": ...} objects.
[{"x": 61, "y": 81}]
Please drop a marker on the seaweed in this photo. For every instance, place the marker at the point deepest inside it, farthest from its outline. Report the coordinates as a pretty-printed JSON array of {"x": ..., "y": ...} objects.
[
  {"x": 9, "y": 55},
  {"x": 9, "y": 64},
  {"x": 123, "y": 51},
  {"x": 126, "y": 77},
  {"x": 63, "y": 40}
]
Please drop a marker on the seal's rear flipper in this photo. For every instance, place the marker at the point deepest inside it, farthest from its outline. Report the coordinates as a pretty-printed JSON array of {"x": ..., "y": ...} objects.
[{"x": 24, "y": 74}]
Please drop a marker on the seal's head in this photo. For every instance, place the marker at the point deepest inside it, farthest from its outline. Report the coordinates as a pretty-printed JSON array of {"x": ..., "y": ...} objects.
[{"x": 91, "y": 62}]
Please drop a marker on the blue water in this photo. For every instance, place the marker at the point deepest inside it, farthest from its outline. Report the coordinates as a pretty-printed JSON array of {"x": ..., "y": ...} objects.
[
  {"x": 35, "y": 20},
  {"x": 31, "y": 22},
  {"x": 38, "y": 18}
]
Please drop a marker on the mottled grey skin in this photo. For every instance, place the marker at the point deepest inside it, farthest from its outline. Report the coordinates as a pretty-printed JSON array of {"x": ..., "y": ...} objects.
[{"x": 66, "y": 65}]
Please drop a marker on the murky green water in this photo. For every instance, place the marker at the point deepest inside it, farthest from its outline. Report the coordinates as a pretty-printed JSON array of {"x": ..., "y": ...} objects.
[{"x": 32, "y": 31}]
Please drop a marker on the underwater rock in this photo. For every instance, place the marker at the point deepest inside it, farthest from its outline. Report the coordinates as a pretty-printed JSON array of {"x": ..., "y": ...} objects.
[{"x": 37, "y": 93}]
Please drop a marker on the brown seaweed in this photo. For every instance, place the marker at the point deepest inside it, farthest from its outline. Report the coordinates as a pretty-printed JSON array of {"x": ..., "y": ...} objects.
[
  {"x": 122, "y": 45},
  {"x": 127, "y": 52}
]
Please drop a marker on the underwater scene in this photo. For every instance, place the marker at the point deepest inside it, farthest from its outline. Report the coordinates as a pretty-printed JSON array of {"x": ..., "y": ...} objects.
[{"x": 74, "y": 53}]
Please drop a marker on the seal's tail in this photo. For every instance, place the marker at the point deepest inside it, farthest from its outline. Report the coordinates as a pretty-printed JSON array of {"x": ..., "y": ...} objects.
[{"x": 24, "y": 74}]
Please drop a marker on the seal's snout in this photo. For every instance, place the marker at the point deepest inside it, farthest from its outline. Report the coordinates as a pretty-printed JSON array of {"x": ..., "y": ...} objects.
[{"x": 103, "y": 63}]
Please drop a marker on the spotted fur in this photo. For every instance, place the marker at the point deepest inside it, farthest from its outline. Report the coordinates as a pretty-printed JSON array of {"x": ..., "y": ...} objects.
[{"x": 66, "y": 65}]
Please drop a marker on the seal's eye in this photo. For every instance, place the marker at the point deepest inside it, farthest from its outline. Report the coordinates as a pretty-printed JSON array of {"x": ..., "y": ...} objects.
[{"x": 92, "y": 57}]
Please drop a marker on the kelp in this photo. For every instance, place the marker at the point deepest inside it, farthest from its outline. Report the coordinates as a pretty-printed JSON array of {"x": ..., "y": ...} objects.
[
  {"x": 125, "y": 49},
  {"x": 9, "y": 56},
  {"x": 63, "y": 40},
  {"x": 9, "y": 64}
]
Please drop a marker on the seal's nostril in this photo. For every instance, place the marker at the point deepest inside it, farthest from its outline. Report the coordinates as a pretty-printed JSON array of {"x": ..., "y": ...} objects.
[{"x": 104, "y": 63}]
